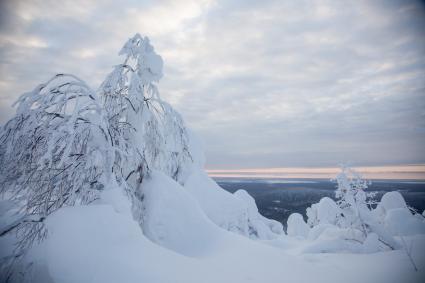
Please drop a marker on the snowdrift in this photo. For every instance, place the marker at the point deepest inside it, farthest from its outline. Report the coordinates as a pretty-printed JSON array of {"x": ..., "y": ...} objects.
[{"x": 234, "y": 212}]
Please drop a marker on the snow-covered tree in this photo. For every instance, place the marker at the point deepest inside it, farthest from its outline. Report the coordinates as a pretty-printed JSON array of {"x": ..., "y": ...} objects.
[
  {"x": 147, "y": 132},
  {"x": 352, "y": 197},
  {"x": 353, "y": 215},
  {"x": 138, "y": 115},
  {"x": 55, "y": 152},
  {"x": 357, "y": 206},
  {"x": 63, "y": 144}
]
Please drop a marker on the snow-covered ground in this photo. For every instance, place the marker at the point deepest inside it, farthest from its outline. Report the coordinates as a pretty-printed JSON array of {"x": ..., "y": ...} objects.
[{"x": 102, "y": 243}]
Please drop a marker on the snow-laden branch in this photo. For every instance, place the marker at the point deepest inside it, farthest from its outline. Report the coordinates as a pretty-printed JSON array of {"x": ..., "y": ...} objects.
[
  {"x": 21, "y": 220},
  {"x": 55, "y": 152}
]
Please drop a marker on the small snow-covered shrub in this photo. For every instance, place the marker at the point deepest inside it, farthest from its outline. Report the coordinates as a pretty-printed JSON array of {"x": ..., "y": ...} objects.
[
  {"x": 356, "y": 207},
  {"x": 352, "y": 218}
]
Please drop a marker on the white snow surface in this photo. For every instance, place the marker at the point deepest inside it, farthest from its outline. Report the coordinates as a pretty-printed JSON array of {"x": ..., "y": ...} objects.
[
  {"x": 401, "y": 222},
  {"x": 102, "y": 243}
]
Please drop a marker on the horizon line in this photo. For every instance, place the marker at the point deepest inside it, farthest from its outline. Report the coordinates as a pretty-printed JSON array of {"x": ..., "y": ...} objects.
[{"x": 406, "y": 172}]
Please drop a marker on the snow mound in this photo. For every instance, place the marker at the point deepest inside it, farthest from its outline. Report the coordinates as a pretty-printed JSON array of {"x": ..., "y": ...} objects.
[
  {"x": 317, "y": 230},
  {"x": 173, "y": 219},
  {"x": 326, "y": 211},
  {"x": 327, "y": 238},
  {"x": 297, "y": 227},
  {"x": 401, "y": 222},
  {"x": 392, "y": 200},
  {"x": 258, "y": 226},
  {"x": 99, "y": 244},
  {"x": 396, "y": 217},
  {"x": 233, "y": 212}
]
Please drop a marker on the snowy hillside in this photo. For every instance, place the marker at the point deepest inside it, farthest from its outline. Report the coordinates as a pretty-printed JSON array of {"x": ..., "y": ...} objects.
[{"x": 109, "y": 186}]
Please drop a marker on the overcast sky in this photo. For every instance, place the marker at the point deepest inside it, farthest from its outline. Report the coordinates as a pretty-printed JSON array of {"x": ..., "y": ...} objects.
[{"x": 263, "y": 83}]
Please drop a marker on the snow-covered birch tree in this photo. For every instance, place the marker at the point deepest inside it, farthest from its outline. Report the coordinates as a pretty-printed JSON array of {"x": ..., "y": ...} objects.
[
  {"x": 146, "y": 131},
  {"x": 356, "y": 206},
  {"x": 55, "y": 152}
]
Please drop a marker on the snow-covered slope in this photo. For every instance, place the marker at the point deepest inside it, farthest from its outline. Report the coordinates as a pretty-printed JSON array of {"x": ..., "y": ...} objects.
[
  {"x": 102, "y": 243},
  {"x": 233, "y": 212}
]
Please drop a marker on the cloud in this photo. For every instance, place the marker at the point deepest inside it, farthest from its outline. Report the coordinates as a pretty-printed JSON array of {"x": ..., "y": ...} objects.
[{"x": 264, "y": 83}]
